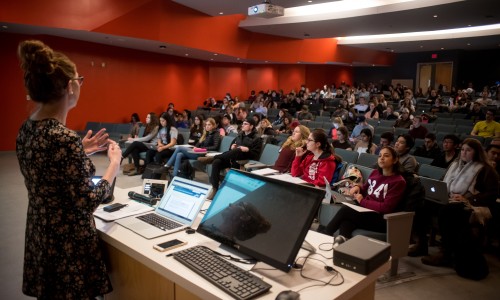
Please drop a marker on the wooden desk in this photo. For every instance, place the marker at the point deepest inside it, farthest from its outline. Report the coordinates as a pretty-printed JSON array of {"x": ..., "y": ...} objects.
[{"x": 138, "y": 271}]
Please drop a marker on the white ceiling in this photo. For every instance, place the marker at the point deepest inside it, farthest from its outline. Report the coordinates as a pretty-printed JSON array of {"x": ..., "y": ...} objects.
[{"x": 405, "y": 17}]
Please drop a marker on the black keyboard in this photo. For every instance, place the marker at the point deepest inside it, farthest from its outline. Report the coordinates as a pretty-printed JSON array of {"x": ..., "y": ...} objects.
[
  {"x": 232, "y": 279},
  {"x": 159, "y": 221}
]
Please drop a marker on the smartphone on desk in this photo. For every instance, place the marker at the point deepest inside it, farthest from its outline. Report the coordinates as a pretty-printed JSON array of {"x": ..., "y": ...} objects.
[{"x": 168, "y": 245}]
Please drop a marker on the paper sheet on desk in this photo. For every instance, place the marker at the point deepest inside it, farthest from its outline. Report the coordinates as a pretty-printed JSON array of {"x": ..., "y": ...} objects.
[
  {"x": 288, "y": 177},
  {"x": 133, "y": 208},
  {"x": 213, "y": 153},
  {"x": 357, "y": 207},
  {"x": 266, "y": 171}
]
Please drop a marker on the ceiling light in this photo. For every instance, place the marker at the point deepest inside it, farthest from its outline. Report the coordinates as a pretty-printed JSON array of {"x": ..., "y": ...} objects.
[
  {"x": 216, "y": 54},
  {"x": 221, "y": 13},
  {"x": 435, "y": 16},
  {"x": 5, "y": 26}
]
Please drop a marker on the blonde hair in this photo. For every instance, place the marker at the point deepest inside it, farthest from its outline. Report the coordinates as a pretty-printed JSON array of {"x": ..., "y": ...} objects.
[
  {"x": 214, "y": 124},
  {"x": 338, "y": 120},
  {"x": 264, "y": 123},
  {"x": 304, "y": 135}
]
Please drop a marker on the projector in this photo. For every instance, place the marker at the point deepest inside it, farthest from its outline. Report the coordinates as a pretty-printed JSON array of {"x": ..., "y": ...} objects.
[{"x": 266, "y": 10}]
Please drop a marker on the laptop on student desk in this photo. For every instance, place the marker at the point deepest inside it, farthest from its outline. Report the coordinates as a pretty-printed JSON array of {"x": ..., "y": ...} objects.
[
  {"x": 435, "y": 190},
  {"x": 177, "y": 210},
  {"x": 335, "y": 196}
]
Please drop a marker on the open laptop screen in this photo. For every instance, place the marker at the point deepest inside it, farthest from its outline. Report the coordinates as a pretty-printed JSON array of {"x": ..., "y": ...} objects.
[{"x": 265, "y": 218}]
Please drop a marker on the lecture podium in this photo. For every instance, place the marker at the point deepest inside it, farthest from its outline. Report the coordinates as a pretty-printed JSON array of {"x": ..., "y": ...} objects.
[{"x": 138, "y": 271}]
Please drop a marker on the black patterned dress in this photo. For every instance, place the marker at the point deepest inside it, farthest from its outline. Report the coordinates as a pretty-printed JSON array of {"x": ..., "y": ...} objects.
[{"x": 62, "y": 258}]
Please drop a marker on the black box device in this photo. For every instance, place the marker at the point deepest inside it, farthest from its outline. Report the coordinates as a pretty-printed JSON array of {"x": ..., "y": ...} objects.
[{"x": 361, "y": 254}]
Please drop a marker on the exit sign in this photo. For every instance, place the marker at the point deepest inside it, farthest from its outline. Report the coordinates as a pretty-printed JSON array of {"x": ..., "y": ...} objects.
[{"x": 434, "y": 56}]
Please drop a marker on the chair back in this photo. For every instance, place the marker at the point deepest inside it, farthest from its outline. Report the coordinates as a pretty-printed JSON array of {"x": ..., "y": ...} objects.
[
  {"x": 226, "y": 143},
  {"x": 367, "y": 159},
  {"x": 347, "y": 155},
  {"x": 270, "y": 154},
  {"x": 431, "y": 171}
]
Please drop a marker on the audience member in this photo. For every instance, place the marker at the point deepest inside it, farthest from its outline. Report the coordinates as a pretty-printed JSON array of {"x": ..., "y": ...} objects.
[
  {"x": 361, "y": 107},
  {"x": 280, "y": 117},
  {"x": 473, "y": 188},
  {"x": 493, "y": 154},
  {"x": 381, "y": 193},
  {"x": 404, "y": 121},
  {"x": 417, "y": 130},
  {"x": 209, "y": 141},
  {"x": 226, "y": 125},
  {"x": 372, "y": 112},
  {"x": 166, "y": 139},
  {"x": 196, "y": 130},
  {"x": 362, "y": 124},
  {"x": 389, "y": 113},
  {"x": 286, "y": 156},
  {"x": 488, "y": 127},
  {"x": 476, "y": 113},
  {"x": 286, "y": 127},
  {"x": 403, "y": 145},
  {"x": 333, "y": 132},
  {"x": 342, "y": 140},
  {"x": 449, "y": 152},
  {"x": 365, "y": 142},
  {"x": 386, "y": 139},
  {"x": 430, "y": 147},
  {"x": 316, "y": 161},
  {"x": 304, "y": 114},
  {"x": 137, "y": 144},
  {"x": 247, "y": 145}
]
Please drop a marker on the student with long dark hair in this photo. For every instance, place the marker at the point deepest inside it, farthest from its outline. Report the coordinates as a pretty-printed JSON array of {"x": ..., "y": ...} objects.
[
  {"x": 316, "y": 161},
  {"x": 166, "y": 140},
  {"x": 382, "y": 193}
]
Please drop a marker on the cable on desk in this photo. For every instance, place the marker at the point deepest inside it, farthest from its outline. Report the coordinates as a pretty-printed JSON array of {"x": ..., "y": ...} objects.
[{"x": 328, "y": 268}]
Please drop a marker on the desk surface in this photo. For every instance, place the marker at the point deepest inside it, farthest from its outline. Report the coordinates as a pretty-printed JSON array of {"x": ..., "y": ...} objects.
[{"x": 142, "y": 251}]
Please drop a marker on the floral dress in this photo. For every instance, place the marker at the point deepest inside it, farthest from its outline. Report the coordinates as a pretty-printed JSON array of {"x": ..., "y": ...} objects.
[{"x": 62, "y": 258}]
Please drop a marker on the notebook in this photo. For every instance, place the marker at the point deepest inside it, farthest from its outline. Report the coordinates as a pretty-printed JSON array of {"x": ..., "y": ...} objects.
[
  {"x": 435, "y": 190},
  {"x": 180, "y": 204}
]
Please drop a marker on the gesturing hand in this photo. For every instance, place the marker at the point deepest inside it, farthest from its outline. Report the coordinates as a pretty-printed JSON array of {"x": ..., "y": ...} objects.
[{"x": 98, "y": 142}]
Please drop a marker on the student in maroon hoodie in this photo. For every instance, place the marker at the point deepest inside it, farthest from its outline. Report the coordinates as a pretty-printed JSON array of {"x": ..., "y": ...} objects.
[
  {"x": 382, "y": 192},
  {"x": 316, "y": 161}
]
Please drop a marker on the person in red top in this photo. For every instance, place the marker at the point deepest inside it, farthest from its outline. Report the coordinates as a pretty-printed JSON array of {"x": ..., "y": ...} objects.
[
  {"x": 382, "y": 192},
  {"x": 287, "y": 151},
  {"x": 316, "y": 161}
]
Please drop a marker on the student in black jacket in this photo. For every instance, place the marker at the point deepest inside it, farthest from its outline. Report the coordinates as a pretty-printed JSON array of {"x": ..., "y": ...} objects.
[{"x": 247, "y": 145}]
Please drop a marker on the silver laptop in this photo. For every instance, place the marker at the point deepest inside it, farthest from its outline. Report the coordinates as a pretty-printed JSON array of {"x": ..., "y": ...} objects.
[
  {"x": 176, "y": 211},
  {"x": 435, "y": 190},
  {"x": 335, "y": 196}
]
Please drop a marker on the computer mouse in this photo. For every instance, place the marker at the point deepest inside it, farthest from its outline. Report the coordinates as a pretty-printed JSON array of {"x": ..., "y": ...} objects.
[{"x": 288, "y": 295}]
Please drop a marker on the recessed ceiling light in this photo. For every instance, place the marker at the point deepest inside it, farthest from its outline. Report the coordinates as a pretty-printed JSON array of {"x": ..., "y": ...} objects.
[
  {"x": 435, "y": 16},
  {"x": 468, "y": 44},
  {"x": 421, "y": 46},
  {"x": 5, "y": 26},
  {"x": 221, "y": 13},
  {"x": 216, "y": 54},
  {"x": 237, "y": 58},
  {"x": 442, "y": 48},
  {"x": 309, "y": 1},
  {"x": 187, "y": 54}
]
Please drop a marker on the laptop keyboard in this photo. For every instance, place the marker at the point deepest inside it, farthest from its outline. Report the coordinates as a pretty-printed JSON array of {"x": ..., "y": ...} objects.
[
  {"x": 159, "y": 221},
  {"x": 233, "y": 280}
]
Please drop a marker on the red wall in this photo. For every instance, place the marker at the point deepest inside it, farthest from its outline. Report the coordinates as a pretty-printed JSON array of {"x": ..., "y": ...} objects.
[{"x": 121, "y": 81}]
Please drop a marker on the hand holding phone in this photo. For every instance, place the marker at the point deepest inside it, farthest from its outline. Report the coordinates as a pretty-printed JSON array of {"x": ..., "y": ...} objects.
[{"x": 168, "y": 245}]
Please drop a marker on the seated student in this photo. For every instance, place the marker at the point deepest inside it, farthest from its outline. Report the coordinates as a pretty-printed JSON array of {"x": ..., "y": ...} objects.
[
  {"x": 417, "y": 131},
  {"x": 405, "y": 120},
  {"x": 365, "y": 143},
  {"x": 196, "y": 129},
  {"x": 286, "y": 126},
  {"x": 304, "y": 114},
  {"x": 382, "y": 192},
  {"x": 488, "y": 127},
  {"x": 386, "y": 139},
  {"x": 361, "y": 107},
  {"x": 137, "y": 144},
  {"x": 403, "y": 145},
  {"x": 342, "y": 140},
  {"x": 430, "y": 148},
  {"x": 287, "y": 151},
  {"x": 389, "y": 113},
  {"x": 247, "y": 145},
  {"x": 473, "y": 188},
  {"x": 337, "y": 122},
  {"x": 316, "y": 161},
  {"x": 449, "y": 152},
  {"x": 362, "y": 124},
  {"x": 493, "y": 154},
  {"x": 210, "y": 141},
  {"x": 372, "y": 112},
  {"x": 166, "y": 140},
  {"x": 226, "y": 125}
]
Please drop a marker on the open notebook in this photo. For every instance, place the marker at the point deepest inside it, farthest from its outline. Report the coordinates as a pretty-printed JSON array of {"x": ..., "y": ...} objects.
[{"x": 177, "y": 210}]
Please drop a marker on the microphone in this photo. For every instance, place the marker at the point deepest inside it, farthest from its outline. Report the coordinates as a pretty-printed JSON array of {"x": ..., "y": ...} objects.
[{"x": 142, "y": 198}]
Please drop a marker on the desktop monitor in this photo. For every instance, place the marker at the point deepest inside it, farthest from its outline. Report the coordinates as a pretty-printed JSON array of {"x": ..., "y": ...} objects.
[{"x": 262, "y": 217}]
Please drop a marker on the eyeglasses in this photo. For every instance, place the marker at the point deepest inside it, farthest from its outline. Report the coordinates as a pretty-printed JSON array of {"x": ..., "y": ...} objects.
[
  {"x": 245, "y": 123},
  {"x": 79, "y": 79}
]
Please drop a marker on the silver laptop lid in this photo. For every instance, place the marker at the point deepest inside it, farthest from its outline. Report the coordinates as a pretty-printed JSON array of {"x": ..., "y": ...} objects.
[{"x": 183, "y": 200}]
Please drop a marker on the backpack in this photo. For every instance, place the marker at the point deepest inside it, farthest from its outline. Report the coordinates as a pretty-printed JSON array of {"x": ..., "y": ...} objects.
[
  {"x": 153, "y": 171},
  {"x": 186, "y": 170},
  {"x": 351, "y": 170},
  {"x": 336, "y": 173},
  {"x": 180, "y": 139}
]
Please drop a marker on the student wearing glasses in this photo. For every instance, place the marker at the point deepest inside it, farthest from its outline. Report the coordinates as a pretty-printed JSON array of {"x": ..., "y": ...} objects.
[
  {"x": 316, "y": 160},
  {"x": 209, "y": 141},
  {"x": 247, "y": 145},
  {"x": 62, "y": 257}
]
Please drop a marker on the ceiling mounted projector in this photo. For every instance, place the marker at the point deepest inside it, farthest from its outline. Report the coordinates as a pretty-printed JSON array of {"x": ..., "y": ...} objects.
[{"x": 266, "y": 10}]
